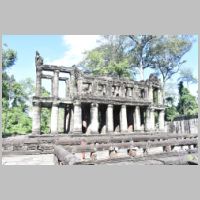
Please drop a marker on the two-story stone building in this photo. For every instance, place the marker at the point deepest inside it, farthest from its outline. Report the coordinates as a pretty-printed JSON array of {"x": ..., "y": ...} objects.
[{"x": 98, "y": 104}]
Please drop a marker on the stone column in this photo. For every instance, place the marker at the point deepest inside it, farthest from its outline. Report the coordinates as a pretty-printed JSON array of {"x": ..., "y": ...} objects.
[
  {"x": 150, "y": 92},
  {"x": 94, "y": 118},
  {"x": 52, "y": 88},
  {"x": 72, "y": 87},
  {"x": 161, "y": 120},
  {"x": 56, "y": 83},
  {"x": 36, "y": 118},
  {"x": 54, "y": 118},
  {"x": 66, "y": 120},
  {"x": 137, "y": 120},
  {"x": 160, "y": 99},
  {"x": 109, "y": 118},
  {"x": 123, "y": 119},
  {"x": 147, "y": 120},
  {"x": 38, "y": 81},
  {"x": 66, "y": 88},
  {"x": 152, "y": 119},
  {"x": 77, "y": 129},
  {"x": 71, "y": 119}
]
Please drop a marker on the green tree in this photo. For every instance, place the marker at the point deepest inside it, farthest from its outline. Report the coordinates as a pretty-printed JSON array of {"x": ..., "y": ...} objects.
[
  {"x": 167, "y": 55},
  {"x": 171, "y": 110},
  {"x": 110, "y": 58},
  {"x": 15, "y": 118},
  {"x": 9, "y": 57},
  {"x": 140, "y": 52},
  {"x": 187, "y": 104},
  {"x": 45, "y": 114}
]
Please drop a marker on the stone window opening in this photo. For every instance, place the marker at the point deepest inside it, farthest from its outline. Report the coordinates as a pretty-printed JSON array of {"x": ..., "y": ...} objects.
[
  {"x": 142, "y": 117},
  {"x": 62, "y": 89},
  {"x": 142, "y": 93},
  {"x": 47, "y": 86}
]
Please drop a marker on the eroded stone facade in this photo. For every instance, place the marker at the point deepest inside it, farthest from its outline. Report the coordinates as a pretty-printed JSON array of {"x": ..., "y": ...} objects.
[{"x": 98, "y": 104}]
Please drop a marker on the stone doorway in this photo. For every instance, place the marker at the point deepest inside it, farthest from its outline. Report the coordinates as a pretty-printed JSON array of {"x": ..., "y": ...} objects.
[
  {"x": 116, "y": 116},
  {"x": 102, "y": 118},
  {"x": 130, "y": 119},
  {"x": 85, "y": 117}
]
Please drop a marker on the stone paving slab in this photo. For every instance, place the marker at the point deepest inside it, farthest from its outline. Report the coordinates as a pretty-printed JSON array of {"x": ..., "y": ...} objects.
[{"x": 45, "y": 159}]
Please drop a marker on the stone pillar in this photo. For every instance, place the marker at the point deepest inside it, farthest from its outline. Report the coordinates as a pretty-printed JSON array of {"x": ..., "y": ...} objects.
[
  {"x": 109, "y": 118},
  {"x": 160, "y": 98},
  {"x": 52, "y": 87},
  {"x": 94, "y": 118},
  {"x": 71, "y": 119},
  {"x": 38, "y": 81},
  {"x": 161, "y": 120},
  {"x": 77, "y": 129},
  {"x": 72, "y": 86},
  {"x": 152, "y": 119},
  {"x": 66, "y": 88},
  {"x": 36, "y": 118},
  {"x": 123, "y": 119},
  {"x": 150, "y": 92},
  {"x": 66, "y": 120},
  {"x": 56, "y": 83},
  {"x": 137, "y": 120},
  {"x": 54, "y": 118},
  {"x": 148, "y": 120}
]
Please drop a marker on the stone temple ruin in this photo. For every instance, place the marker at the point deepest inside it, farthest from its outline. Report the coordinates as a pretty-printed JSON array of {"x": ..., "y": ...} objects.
[
  {"x": 98, "y": 104},
  {"x": 106, "y": 121}
]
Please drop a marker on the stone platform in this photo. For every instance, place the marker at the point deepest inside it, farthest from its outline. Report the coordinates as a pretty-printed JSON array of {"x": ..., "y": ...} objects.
[{"x": 45, "y": 159}]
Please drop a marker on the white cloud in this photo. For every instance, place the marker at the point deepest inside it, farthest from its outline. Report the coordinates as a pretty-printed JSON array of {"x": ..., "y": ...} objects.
[{"x": 76, "y": 46}]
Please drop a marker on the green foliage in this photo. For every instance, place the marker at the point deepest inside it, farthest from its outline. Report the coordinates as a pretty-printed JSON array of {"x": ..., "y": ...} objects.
[
  {"x": 111, "y": 58},
  {"x": 15, "y": 120},
  {"x": 171, "y": 112},
  {"x": 140, "y": 52},
  {"x": 167, "y": 53},
  {"x": 9, "y": 57},
  {"x": 187, "y": 103},
  {"x": 45, "y": 120},
  {"x": 45, "y": 114}
]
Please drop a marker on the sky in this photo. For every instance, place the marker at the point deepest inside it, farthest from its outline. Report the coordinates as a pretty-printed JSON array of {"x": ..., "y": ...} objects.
[{"x": 68, "y": 50}]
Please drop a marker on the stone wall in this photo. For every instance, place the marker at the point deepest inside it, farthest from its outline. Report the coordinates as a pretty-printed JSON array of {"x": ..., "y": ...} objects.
[{"x": 183, "y": 125}]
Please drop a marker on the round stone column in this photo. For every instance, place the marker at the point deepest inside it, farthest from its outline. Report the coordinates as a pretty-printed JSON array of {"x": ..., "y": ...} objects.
[
  {"x": 137, "y": 120},
  {"x": 147, "y": 120},
  {"x": 123, "y": 119},
  {"x": 109, "y": 118},
  {"x": 56, "y": 83},
  {"x": 152, "y": 119},
  {"x": 54, "y": 118},
  {"x": 94, "y": 118},
  {"x": 77, "y": 127},
  {"x": 150, "y": 93},
  {"x": 38, "y": 81},
  {"x": 161, "y": 120},
  {"x": 36, "y": 118}
]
